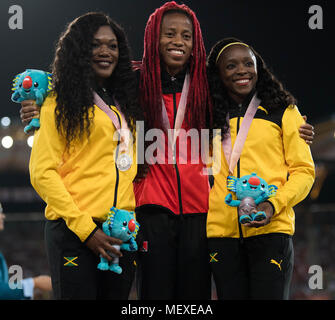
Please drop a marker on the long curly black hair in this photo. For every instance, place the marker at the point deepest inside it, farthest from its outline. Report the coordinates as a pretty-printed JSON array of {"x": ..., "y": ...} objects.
[
  {"x": 269, "y": 89},
  {"x": 74, "y": 78}
]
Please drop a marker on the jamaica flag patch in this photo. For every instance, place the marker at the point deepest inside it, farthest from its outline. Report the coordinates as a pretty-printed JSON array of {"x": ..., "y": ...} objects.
[{"x": 70, "y": 262}]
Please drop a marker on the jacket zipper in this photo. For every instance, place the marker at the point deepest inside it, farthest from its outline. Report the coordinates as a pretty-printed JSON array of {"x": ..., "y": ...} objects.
[
  {"x": 174, "y": 156},
  {"x": 238, "y": 176},
  {"x": 116, "y": 168}
]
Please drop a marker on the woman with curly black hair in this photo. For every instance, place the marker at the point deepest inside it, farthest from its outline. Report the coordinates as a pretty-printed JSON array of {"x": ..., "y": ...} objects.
[
  {"x": 75, "y": 73},
  {"x": 253, "y": 258},
  {"x": 73, "y": 163}
]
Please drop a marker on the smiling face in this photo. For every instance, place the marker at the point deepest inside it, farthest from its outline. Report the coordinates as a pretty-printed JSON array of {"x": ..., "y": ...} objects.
[
  {"x": 123, "y": 226},
  {"x": 176, "y": 41},
  {"x": 238, "y": 71},
  {"x": 105, "y": 53},
  {"x": 251, "y": 186}
]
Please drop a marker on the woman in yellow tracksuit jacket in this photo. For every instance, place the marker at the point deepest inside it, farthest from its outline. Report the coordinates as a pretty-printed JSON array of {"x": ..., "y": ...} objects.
[
  {"x": 72, "y": 165},
  {"x": 255, "y": 260}
]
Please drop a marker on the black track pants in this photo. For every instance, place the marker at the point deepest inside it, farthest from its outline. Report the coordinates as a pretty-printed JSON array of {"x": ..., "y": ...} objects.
[
  {"x": 175, "y": 264},
  {"x": 260, "y": 267},
  {"x": 74, "y": 270}
]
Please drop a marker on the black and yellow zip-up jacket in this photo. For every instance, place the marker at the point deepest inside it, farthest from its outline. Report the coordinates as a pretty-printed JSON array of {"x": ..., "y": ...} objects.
[
  {"x": 79, "y": 187},
  {"x": 273, "y": 150}
]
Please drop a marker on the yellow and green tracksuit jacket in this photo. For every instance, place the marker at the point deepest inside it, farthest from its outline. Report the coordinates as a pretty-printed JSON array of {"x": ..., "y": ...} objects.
[
  {"x": 273, "y": 150},
  {"x": 79, "y": 186}
]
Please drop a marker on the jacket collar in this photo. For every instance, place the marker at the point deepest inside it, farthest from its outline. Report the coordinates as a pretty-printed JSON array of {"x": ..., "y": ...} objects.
[
  {"x": 105, "y": 95},
  {"x": 234, "y": 106},
  {"x": 172, "y": 84}
]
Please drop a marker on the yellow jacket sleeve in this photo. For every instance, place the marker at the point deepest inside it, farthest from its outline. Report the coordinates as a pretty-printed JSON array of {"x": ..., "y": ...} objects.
[
  {"x": 299, "y": 161},
  {"x": 45, "y": 161}
]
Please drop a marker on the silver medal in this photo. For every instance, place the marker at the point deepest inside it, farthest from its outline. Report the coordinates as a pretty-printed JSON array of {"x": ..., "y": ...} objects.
[{"x": 123, "y": 162}]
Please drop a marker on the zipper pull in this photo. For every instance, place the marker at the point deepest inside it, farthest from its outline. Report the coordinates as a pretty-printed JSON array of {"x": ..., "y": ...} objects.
[
  {"x": 240, "y": 109},
  {"x": 174, "y": 159}
]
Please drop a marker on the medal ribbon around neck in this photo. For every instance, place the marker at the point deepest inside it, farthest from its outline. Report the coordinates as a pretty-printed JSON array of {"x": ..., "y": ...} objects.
[
  {"x": 233, "y": 154},
  {"x": 105, "y": 108},
  {"x": 180, "y": 112},
  {"x": 124, "y": 161}
]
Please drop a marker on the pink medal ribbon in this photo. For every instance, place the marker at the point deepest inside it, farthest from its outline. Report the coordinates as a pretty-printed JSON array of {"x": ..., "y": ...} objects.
[
  {"x": 105, "y": 108},
  {"x": 123, "y": 161},
  {"x": 180, "y": 113},
  {"x": 233, "y": 154}
]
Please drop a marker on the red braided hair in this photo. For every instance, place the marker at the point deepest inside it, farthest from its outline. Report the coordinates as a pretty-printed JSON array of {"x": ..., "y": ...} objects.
[{"x": 198, "y": 100}]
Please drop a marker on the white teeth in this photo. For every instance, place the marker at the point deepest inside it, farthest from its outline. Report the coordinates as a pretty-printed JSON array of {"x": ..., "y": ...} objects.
[
  {"x": 243, "y": 81},
  {"x": 104, "y": 63},
  {"x": 178, "y": 52}
]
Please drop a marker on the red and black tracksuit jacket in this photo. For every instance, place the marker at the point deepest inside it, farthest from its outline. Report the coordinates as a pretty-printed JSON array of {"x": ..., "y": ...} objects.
[{"x": 180, "y": 188}]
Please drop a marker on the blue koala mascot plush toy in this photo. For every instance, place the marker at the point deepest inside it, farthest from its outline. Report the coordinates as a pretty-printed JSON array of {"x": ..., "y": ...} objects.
[
  {"x": 31, "y": 85},
  {"x": 120, "y": 224},
  {"x": 250, "y": 191}
]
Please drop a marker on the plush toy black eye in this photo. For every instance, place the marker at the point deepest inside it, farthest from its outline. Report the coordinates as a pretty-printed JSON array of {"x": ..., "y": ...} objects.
[
  {"x": 36, "y": 84},
  {"x": 20, "y": 85},
  {"x": 263, "y": 185},
  {"x": 124, "y": 223},
  {"x": 244, "y": 181}
]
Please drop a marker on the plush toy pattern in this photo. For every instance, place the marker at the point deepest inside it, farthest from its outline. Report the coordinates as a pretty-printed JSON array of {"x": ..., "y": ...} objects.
[
  {"x": 250, "y": 191},
  {"x": 120, "y": 224},
  {"x": 31, "y": 85}
]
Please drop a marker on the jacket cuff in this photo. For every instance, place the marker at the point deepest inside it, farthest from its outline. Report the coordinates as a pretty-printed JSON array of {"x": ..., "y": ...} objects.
[
  {"x": 273, "y": 207},
  {"x": 91, "y": 234}
]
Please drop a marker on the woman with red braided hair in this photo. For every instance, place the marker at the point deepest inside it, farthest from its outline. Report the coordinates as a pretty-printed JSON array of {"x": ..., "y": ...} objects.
[{"x": 172, "y": 201}]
